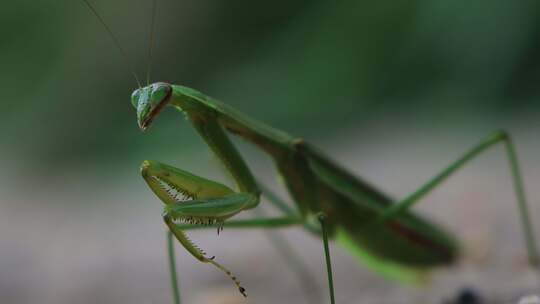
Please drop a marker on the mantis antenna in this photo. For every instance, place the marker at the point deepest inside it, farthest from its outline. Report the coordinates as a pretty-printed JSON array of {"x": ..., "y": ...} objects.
[
  {"x": 151, "y": 41},
  {"x": 124, "y": 55}
]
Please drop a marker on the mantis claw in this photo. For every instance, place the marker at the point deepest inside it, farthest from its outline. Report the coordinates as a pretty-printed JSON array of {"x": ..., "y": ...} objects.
[{"x": 195, "y": 200}]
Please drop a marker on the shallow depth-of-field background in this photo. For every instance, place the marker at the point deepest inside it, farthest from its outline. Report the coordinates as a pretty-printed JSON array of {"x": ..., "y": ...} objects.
[{"x": 394, "y": 90}]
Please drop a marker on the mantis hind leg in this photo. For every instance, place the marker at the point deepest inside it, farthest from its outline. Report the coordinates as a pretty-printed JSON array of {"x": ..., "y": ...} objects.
[{"x": 497, "y": 137}]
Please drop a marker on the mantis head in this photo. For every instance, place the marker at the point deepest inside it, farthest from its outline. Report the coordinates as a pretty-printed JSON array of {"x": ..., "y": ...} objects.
[{"x": 149, "y": 101}]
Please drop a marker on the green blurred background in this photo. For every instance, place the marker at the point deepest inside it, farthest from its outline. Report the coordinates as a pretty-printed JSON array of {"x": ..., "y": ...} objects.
[{"x": 394, "y": 89}]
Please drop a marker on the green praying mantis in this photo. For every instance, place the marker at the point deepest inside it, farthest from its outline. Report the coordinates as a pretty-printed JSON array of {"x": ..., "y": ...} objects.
[
  {"x": 331, "y": 202},
  {"x": 347, "y": 208}
]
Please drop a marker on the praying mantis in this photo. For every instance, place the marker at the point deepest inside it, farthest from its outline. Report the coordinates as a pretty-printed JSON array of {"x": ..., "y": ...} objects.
[
  {"x": 331, "y": 202},
  {"x": 347, "y": 208}
]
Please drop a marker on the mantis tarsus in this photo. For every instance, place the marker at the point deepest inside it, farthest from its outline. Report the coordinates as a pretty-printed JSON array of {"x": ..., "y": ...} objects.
[{"x": 331, "y": 202}]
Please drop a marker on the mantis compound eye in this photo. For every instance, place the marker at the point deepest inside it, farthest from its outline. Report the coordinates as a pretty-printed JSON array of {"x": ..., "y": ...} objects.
[{"x": 135, "y": 97}]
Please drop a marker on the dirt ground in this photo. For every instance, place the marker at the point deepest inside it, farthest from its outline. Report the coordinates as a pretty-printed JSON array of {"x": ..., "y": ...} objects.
[{"x": 110, "y": 246}]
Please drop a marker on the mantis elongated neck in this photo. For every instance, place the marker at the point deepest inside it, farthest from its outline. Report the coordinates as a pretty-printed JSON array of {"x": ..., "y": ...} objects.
[{"x": 271, "y": 140}]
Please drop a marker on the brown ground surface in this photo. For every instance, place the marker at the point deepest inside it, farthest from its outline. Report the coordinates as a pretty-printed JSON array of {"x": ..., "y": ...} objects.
[{"x": 109, "y": 247}]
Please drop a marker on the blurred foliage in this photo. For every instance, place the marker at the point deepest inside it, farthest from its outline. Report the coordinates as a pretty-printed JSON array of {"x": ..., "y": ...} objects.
[{"x": 308, "y": 67}]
